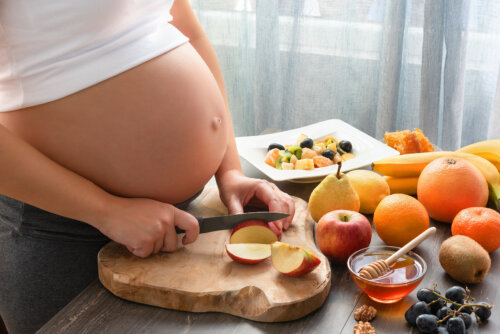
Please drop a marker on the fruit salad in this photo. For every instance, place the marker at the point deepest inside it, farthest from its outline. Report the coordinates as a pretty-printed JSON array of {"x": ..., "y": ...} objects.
[{"x": 308, "y": 154}]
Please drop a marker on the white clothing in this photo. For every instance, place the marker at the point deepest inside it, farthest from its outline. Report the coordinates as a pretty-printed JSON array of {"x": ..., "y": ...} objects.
[{"x": 52, "y": 48}]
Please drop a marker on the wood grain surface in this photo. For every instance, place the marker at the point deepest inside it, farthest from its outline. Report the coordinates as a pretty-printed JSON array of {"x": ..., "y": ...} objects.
[
  {"x": 96, "y": 310},
  {"x": 201, "y": 277}
]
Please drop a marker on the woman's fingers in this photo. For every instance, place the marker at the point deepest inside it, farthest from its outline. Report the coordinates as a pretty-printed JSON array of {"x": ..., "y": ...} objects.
[
  {"x": 189, "y": 224},
  {"x": 277, "y": 201},
  {"x": 170, "y": 239}
]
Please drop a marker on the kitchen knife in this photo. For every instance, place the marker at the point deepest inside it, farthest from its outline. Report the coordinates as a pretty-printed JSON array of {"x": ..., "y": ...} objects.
[{"x": 229, "y": 221}]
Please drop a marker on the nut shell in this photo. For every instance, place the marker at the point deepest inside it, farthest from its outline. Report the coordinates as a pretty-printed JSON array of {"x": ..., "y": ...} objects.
[
  {"x": 365, "y": 313},
  {"x": 364, "y": 328}
]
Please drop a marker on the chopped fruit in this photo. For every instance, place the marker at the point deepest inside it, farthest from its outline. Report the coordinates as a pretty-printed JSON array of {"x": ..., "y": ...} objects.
[
  {"x": 254, "y": 231},
  {"x": 328, "y": 154},
  {"x": 275, "y": 145},
  {"x": 306, "y": 149},
  {"x": 287, "y": 165},
  {"x": 317, "y": 149},
  {"x": 347, "y": 156},
  {"x": 301, "y": 138},
  {"x": 346, "y": 146},
  {"x": 306, "y": 164},
  {"x": 321, "y": 161},
  {"x": 292, "y": 261},
  {"x": 308, "y": 142},
  {"x": 272, "y": 156},
  {"x": 248, "y": 253},
  {"x": 307, "y": 153}
]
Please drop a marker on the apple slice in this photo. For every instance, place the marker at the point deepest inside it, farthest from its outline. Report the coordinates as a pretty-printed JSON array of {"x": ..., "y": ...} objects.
[
  {"x": 248, "y": 253},
  {"x": 292, "y": 261},
  {"x": 254, "y": 232}
]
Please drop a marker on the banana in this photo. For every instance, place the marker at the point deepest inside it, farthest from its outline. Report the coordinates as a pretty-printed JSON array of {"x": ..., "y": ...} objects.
[
  {"x": 411, "y": 165},
  {"x": 488, "y": 149},
  {"x": 402, "y": 185},
  {"x": 408, "y": 165}
]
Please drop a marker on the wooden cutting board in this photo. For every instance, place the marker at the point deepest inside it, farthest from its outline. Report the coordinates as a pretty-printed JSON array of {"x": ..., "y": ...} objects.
[{"x": 201, "y": 277}]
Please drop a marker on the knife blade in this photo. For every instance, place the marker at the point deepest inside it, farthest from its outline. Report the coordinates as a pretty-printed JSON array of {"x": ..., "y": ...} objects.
[{"x": 229, "y": 221}]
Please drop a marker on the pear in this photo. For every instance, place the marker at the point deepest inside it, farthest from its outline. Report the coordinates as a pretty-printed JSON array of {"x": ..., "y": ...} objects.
[
  {"x": 464, "y": 259},
  {"x": 335, "y": 192}
]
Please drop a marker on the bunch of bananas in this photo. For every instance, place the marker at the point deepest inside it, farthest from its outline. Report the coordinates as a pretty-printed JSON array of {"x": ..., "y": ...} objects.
[{"x": 402, "y": 171}]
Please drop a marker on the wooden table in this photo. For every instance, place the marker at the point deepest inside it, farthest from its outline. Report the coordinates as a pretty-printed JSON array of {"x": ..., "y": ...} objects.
[{"x": 96, "y": 310}]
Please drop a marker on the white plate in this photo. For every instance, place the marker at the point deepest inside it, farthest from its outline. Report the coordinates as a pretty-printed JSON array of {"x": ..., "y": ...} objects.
[{"x": 366, "y": 148}]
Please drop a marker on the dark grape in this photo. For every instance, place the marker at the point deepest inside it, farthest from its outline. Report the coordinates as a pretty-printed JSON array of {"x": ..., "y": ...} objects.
[
  {"x": 443, "y": 312},
  {"x": 483, "y": 312},
  {"x": 437, "y": 305},
  {"x": 426, "y": 295},
  {"x": 440, "y": 330},
  {"x": 467, "y": 319},
  {"x": 308, "y": 142},
  {"x": 328, "y": 154},
  {"x": 455, "y": 325},
  {"x": 415, "y": 310},
  {"x": 456, "y": 294},
  {"x": 426, "y": 323},
  {"x": 275, "y": 145},
  {"x": 346, "y": 146}
]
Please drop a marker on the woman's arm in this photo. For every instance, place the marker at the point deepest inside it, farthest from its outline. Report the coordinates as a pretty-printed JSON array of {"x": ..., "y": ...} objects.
[
  {"x": 236, "y": 190},
  {"x": 145, "y": 226},
  {"x": 29, "y": 176}
]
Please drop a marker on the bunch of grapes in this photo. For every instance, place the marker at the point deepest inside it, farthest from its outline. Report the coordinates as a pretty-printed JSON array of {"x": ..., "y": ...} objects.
[{"x": 451, "y": 313}]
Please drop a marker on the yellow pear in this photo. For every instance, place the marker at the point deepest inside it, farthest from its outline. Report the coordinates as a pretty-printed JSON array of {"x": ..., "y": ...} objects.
[{"x": 335, "y": 192}]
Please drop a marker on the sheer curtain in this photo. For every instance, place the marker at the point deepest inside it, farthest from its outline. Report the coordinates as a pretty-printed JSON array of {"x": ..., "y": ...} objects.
[{"x": 380, "y": 65}]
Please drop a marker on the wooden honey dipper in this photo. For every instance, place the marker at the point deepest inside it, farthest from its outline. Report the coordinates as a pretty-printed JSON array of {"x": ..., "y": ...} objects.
[{"x": 381, "y": 267}]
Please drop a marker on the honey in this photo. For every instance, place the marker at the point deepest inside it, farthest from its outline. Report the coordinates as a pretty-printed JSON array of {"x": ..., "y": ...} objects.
[{"x": 404, "y": 276}]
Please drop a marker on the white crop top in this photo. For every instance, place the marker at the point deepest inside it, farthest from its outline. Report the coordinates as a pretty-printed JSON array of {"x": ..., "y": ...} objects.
[{"x": 53, "y": 48}]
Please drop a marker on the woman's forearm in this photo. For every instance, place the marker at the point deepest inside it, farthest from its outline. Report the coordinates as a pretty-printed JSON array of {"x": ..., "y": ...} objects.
[{"x": 29, "y": 176}]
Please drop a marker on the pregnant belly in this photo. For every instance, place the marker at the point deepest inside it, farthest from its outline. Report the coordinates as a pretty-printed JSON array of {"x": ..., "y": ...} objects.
[{"x": 158, "y": 130}]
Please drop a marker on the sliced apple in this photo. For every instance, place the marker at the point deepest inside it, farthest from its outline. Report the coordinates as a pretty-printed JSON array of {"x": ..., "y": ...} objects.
[
  {"x": 254, "y": 231},
  {"x": 248, "y": 253},
  {"x": 292, "y": 261}
]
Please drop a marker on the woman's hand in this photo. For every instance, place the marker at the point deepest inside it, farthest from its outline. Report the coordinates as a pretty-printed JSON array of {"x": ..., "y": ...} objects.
[
  {"x": 147, "y": 226},
  {"x": 237, "y": 191}
]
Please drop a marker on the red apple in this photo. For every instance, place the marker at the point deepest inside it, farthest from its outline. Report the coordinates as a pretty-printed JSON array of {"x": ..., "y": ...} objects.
[
  {"x": 342, "y": 232},
  {"x": 254, "y": 231},
  {"x": 292, "y": 261},
  {"x": 248, "y": 253}
]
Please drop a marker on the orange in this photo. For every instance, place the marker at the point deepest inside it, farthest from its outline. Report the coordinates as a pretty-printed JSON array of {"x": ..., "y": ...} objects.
[
  {"x": 448, "y": 185},
  {"x": 399, "y": 218},
  {"x": 480, "y": 224}
]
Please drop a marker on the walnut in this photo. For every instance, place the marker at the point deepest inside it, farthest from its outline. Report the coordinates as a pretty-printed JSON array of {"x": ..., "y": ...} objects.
[
  {"x": 364, "y": 328},
  {"x": 365, "y": 313}
]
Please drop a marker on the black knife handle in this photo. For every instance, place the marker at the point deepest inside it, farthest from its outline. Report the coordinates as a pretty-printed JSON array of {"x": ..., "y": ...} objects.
[{"x": 179, "y": 231}]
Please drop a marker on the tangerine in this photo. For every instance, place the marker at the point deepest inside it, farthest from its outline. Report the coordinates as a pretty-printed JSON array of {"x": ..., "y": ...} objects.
[
  {"x": 448, "y": 185},
  {"x": 480, "y": 224},
  {"x": 399, "y": 218}
]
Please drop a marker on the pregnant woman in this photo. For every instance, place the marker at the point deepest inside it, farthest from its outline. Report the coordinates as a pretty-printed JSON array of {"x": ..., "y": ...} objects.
[{"x": 113, "y": 114}]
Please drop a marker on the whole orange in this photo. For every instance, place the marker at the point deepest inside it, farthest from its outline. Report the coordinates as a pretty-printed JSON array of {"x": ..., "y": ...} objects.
[
  {"x": 399, "y": 218},
  {"x": 480, "y": 224},
  {"x": 448, "y": 185}
]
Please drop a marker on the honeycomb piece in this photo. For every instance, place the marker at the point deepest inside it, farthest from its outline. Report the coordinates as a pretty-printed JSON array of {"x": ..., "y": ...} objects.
[{"x": 423, "y": 141}]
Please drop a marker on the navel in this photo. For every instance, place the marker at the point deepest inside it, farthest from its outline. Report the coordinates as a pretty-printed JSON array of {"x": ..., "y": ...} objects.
[{"x": 216, "y": 122}]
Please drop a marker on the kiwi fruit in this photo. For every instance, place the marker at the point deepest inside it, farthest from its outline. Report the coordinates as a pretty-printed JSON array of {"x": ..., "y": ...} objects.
[{"x": 464, "y": 259}]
